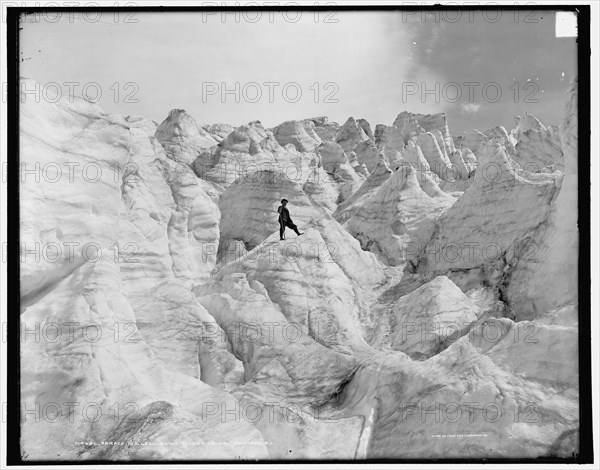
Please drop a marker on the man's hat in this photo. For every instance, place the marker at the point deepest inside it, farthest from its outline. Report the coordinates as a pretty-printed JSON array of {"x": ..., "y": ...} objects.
[{"x": 284, "y": 200}]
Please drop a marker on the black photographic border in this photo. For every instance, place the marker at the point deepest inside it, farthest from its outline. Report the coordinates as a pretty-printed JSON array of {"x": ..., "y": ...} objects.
[{"x": 13, "y": 226}]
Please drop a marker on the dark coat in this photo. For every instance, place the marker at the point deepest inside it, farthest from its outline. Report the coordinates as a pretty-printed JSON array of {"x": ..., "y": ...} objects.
[{"x": 284, "y": 214}]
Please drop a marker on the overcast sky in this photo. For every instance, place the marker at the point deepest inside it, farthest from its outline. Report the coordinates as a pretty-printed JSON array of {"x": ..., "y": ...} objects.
[{"x": 370, "y": 65}]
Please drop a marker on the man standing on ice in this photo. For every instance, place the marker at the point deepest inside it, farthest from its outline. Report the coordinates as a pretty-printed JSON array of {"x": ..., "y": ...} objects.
[{"x": 285, "y": 220}]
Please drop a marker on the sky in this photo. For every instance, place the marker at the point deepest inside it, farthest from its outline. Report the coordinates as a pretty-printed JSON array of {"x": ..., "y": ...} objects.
[{"x": 480, "y": 68}]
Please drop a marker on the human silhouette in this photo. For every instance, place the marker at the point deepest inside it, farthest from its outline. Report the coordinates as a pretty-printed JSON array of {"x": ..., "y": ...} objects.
[{"x": 285, "y": 220}]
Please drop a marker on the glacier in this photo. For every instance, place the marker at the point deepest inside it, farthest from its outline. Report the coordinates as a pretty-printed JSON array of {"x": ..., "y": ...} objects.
[{"x": 429, "y": 310}]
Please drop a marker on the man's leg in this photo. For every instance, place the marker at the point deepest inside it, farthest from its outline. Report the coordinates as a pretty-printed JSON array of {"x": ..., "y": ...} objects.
[
  {"x": 281, "y": 231},
  {"x": 293, "y": 226}
]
